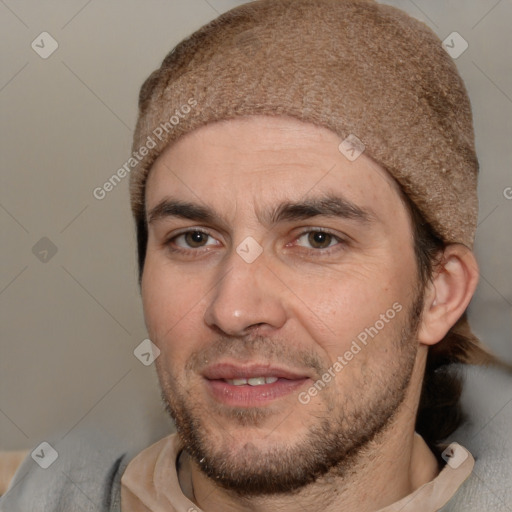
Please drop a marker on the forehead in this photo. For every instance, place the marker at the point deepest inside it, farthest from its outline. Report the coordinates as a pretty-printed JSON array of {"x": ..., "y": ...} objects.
[{"x": 255, "y": 161}]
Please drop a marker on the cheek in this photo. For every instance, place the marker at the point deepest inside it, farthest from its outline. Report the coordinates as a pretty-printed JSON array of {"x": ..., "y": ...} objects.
[
  {"x": 337, "y": 308},
  {"x": 172, "y": 304}
]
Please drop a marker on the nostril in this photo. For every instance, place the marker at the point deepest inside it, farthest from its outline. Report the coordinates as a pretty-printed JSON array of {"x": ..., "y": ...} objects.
[{"x": 255, "y": 326}]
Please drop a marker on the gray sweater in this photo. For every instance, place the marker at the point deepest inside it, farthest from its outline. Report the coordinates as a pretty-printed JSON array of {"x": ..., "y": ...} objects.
[{"x": 82, "y": 479}]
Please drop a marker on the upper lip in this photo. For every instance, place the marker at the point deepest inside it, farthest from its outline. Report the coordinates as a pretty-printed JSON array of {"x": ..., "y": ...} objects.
[{"x": 246, "y": 371}]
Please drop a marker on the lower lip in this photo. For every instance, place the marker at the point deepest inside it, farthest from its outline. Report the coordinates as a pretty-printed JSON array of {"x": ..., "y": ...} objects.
[{"x": 251, "y": 396}]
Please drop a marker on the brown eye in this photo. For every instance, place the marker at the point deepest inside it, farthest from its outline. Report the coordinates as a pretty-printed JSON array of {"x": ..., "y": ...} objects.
[
  {"x": 319, "y": 239},
  {"x": 195, "y": 238}
]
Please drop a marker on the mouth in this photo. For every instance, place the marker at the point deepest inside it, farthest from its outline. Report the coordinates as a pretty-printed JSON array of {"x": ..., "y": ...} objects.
[{"x": 251, "y": 385}]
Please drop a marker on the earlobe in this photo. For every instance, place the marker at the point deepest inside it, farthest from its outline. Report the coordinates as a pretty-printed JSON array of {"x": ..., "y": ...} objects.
[{"x": 448, "y": 294}]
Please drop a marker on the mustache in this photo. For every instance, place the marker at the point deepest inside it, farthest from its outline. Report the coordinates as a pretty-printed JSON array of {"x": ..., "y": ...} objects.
[{"x": 256, "y": 348}]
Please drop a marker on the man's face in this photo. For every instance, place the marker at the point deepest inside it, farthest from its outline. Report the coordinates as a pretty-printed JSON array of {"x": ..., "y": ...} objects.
[{"x": 274, "y": 263}]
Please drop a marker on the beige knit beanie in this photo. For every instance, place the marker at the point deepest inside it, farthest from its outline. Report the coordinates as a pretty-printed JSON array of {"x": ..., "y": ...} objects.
[{"x": 356, "y": 67}]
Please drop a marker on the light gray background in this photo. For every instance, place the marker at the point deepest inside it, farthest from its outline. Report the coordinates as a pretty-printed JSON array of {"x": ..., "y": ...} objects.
[{"x": 69, "y": 325}]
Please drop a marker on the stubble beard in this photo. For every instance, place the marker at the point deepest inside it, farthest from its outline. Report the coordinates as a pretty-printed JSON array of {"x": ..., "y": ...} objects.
[{"x": 331, "y": 446}]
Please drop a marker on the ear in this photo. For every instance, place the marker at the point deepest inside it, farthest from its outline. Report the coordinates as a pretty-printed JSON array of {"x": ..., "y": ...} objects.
[{"x": 448, "y": 294}]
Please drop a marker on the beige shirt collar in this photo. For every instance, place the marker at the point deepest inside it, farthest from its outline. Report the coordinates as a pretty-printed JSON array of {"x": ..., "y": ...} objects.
[{"x": 150, "y": 482}]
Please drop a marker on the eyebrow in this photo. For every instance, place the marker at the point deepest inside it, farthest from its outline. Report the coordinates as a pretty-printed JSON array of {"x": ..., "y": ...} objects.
[
  {"x": 172, "y": 208},
  {"x": 328, "y": 206}
]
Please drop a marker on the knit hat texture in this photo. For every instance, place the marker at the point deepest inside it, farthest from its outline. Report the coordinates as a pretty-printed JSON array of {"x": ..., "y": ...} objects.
[{"x": 356, "y": 67}]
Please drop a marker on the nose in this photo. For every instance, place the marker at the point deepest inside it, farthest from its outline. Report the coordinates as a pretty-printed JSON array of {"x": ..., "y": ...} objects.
[{"x": 247, "y": 296}]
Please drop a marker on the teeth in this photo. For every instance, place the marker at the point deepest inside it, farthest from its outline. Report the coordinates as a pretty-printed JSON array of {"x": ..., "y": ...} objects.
[
  {"x": 256, "y": 381},
  {"x": 253, "y": 381}
]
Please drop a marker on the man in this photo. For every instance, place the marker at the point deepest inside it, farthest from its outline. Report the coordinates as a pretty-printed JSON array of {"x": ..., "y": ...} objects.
[{"x": 304, "y": 190}]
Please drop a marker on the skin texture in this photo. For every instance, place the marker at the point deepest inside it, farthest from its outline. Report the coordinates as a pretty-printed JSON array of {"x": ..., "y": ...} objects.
[{"x": 299, "y": 305}]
